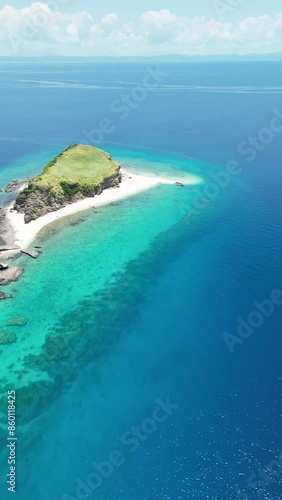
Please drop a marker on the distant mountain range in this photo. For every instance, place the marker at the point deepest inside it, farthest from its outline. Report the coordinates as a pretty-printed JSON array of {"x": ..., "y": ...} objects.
[{"x": 156, "y": 58}]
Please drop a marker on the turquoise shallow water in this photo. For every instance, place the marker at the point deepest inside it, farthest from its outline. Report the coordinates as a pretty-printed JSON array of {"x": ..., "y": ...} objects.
[
  {"x": 98, "y": 267},
  {"x": 82, "y": 254}
]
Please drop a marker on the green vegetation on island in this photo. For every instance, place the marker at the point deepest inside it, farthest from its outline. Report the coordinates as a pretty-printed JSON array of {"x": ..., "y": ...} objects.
[{"x": 78, "y": 172}]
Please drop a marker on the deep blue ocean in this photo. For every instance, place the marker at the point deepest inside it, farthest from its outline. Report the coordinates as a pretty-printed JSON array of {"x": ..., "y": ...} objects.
[{"x": 182, "y": 283}]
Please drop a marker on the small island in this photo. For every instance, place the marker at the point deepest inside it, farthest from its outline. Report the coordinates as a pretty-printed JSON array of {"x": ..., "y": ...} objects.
[
  {"x": 78, "y": 172},
  {"x": 79, "y": 178}
]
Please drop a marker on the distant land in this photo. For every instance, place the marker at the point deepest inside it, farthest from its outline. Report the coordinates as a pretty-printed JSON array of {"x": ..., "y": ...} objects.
[{"x": 154, "y": 58}]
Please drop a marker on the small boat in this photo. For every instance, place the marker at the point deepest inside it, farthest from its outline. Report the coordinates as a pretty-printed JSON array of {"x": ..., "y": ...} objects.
[{"x": 178, "y": 183}]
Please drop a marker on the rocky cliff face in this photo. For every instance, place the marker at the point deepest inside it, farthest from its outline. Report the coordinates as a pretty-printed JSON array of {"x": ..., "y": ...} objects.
[{"x": 36, "y": 200}]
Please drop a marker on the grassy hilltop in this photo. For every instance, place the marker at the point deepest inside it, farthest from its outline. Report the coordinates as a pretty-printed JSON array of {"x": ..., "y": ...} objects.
[{"x": 78, "y": 172}]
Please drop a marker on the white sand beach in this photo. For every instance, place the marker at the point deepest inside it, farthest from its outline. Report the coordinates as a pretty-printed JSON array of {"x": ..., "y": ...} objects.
[{"x": 131, "y": 184}]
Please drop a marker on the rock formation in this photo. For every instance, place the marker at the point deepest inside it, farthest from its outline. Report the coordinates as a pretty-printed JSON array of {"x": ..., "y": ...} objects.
[
  {"x": 10, "y": 275},
  {"x": 15, "y": 186},
  {"x": 32, "y": 253}
]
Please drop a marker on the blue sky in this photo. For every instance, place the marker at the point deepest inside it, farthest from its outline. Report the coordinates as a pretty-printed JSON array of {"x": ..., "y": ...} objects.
[{"x": 68, "y": 27}]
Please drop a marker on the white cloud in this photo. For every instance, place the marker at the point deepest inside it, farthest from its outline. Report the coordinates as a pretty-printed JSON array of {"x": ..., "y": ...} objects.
[
  {"x": 187, "y": 35},
  {"x": 110, "y": 18},
  {"x": 41, "y": 29},
  {"x": 160, "y": 26},
  {"x": 39, "y": 22},
  {"x": 161, "y": 18}
]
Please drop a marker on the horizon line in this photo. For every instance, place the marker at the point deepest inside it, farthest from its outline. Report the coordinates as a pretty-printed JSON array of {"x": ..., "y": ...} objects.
[{"x": 266, "y": 55}]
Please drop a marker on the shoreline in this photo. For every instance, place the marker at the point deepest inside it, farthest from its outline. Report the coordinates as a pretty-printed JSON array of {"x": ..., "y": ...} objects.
[{"x": 25, "y": 234}]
